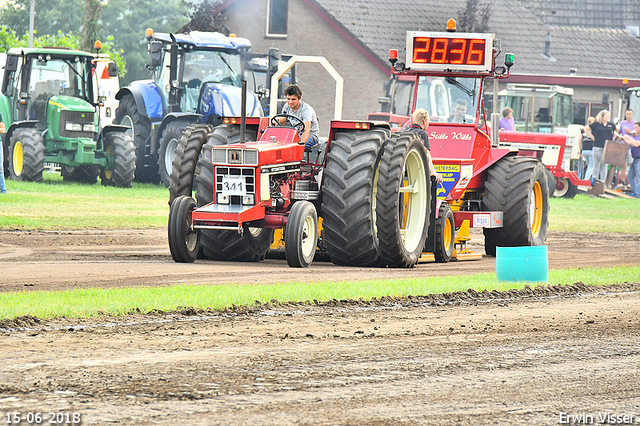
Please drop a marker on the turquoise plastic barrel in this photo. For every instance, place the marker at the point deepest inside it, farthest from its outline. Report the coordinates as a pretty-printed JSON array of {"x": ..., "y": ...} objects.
[{"x": 522, "y": 263}]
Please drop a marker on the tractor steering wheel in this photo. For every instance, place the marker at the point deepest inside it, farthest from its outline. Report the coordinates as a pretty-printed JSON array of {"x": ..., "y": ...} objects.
[{"x": 298, "y": 125}]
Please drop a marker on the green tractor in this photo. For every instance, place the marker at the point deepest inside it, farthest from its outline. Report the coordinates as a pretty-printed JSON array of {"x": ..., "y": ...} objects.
[{"x": 50, "y": 107}]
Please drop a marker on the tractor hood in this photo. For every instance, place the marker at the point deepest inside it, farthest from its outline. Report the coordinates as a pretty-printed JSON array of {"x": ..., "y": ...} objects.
[
  {"x": 71, "y": 103},
  {"x": 224, "y": 100}
]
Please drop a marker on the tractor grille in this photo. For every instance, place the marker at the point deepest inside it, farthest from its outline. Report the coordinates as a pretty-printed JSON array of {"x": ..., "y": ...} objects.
[
  {"x": 249, "y": 174},
  {"x": 75, "y": 117}
]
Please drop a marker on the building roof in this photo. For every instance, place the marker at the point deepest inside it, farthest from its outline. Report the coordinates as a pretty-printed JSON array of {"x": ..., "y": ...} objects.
[
  {"x": 613, "y": 14},
  {"x": 593, "y": 52}
]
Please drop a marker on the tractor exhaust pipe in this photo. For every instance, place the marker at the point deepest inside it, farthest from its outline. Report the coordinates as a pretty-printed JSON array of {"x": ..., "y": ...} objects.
[{"x": 243, "y": 112}]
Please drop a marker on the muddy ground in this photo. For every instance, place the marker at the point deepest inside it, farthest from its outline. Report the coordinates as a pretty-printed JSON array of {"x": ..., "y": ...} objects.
[{"x": 543, "y": 356}]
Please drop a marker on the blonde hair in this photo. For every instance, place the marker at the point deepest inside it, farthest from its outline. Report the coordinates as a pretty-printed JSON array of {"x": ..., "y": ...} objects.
[
  {"x": 590, "y": 120},
  {"x": 420, "y": 115},
  {"x": 601, "y": 114}
]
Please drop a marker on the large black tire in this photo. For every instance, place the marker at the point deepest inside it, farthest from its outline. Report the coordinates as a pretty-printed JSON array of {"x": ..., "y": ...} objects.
[
  {"x": 402, "y": 214},
  {"x": 552, "y": 182},
  {"x": 127, "y": 114},
  {"x": 87, "y": 173},
  {"x": 301, "y": 234},
  {"x": 184, "y": 243},
  {"x": 169, "y": 141},
  {"x": 349, "y": 197},
  {"x": 185, "y": 160},
  {"x": 26, "y": 155},
  {"x": 254, "y": 243},
  {"x": 517, "y": 186},
  {"x": 445, "y": 234},
  {"x": 565, "y": 189},
  {"x": 122, "y": 169}
]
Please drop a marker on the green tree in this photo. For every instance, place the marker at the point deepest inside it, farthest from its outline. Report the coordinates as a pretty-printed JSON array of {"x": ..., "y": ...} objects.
[
  {"x": 203, "y": 18},
  {"x": 127, "y": 20},
  {"x": 92, "y": 25},
  {"x": 50, "y": 16}
]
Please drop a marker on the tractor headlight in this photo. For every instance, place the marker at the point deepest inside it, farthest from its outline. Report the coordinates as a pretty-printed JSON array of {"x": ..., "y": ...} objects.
[
  {"x": 222, "y": 199},
  {"x": 88, "y": 127},
  {"x": 248, "y": 200},
  {"x": 73, "y": 127}
]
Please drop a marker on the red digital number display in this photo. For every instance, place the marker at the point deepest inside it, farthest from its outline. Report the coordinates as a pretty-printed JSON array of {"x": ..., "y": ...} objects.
[{"x": 449, "y": 51}]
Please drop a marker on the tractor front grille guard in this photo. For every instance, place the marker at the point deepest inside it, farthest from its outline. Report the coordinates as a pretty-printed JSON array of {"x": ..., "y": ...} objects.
[{"x": 249, "y": 189}]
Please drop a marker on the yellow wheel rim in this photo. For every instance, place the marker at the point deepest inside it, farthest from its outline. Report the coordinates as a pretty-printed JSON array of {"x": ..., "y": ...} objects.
[
  {"x": 536, "y": 209},
  {"x": 448, "y": 233},
  {"x": 18, "y": 158},
  {"x": 414, "y": 196},
  {"x": 108, "y": 173}
]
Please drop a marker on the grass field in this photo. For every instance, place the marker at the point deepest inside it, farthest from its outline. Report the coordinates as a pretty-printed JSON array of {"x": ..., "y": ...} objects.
[{"x": 57, "y": 205}]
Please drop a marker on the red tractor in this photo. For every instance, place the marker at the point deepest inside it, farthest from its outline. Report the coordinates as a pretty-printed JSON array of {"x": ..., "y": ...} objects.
[{"x": 365, "y": 196}]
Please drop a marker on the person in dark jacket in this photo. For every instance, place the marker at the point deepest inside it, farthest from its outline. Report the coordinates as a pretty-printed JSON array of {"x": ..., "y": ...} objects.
[{"x": 600, "y": 131}]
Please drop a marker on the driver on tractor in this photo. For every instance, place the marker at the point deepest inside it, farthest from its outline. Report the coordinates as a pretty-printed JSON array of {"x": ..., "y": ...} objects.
[{"x": 305, "y": 113}]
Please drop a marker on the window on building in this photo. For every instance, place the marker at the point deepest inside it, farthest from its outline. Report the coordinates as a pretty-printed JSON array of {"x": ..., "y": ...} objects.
[{"x": 277, "y": 15}]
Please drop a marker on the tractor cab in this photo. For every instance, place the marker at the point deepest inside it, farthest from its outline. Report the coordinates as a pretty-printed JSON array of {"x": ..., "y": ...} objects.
[{"x": 40, "y": 79}]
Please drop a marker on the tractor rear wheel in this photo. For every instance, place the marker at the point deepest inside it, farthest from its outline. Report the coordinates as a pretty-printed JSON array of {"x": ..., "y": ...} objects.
[
  {"x": 122, "y": 166},
  {"x": 349, "y": 196},
  {"x": 185, "y": 160},
  {"x": 517, "y": 186},
  {"x": 254, "y": 243},
  {"x": 87, "y": 173},
  {"x": 403, "y": 200},
  {"x": 184, "y": 243},
  {"x": 564, "y": 189},
  {"x": 26, "y": 155},
  {"x": 127, "y": 115},
  {"x": 169, "y": 141},
  {"x": 301, "y": 234},
  {"x": 445, "y": 234}
]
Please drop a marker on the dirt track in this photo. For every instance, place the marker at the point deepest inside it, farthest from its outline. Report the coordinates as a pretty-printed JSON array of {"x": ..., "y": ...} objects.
[{"x": 529, "y": 357}]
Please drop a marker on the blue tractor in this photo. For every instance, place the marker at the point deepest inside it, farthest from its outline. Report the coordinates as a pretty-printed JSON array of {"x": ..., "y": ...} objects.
[{"x": 196, "y": 78}]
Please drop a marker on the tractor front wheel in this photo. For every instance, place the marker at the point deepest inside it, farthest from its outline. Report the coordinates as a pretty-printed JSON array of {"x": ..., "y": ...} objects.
[
  {"x": 301, "y": 234},
  {"x": 403, "y": 199},
  {"x": 184, "y": 242},
  {"x": 127, "y": 115},
  {"x": 26, "y": 155},
  {"x": 445, "y": 236},
  {"x": 121, "y": 167},
  {"x": 169, "y": 141},
  {"x": 517, "y": 186},
  {"x": 564, "y": 189}
]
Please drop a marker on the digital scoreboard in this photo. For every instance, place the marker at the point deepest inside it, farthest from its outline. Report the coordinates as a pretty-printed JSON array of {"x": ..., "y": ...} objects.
[{"x": 454, "y": 51}]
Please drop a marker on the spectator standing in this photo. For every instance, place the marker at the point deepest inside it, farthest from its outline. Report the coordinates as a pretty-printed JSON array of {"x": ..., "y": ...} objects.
[
  {"x": 634, "y": 170},
  {"x": 626, "y": 127},
  {"x": 3, "y": 188},
  {"x": 420, "y": 119},
  {"x": 586, "y": 149},
  {"x": 600, "y": 131},
  {"x": 507, "y": 122}
]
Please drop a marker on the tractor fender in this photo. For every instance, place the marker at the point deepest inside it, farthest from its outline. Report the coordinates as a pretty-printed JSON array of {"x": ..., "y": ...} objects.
[
  {"x": 223, "y": 100},
  {"x": 15, "y": 126},
  {"x": 112, "y": 128},
  {"x": 186, "y": 117},
  {"x": 148, "y": 98}
]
